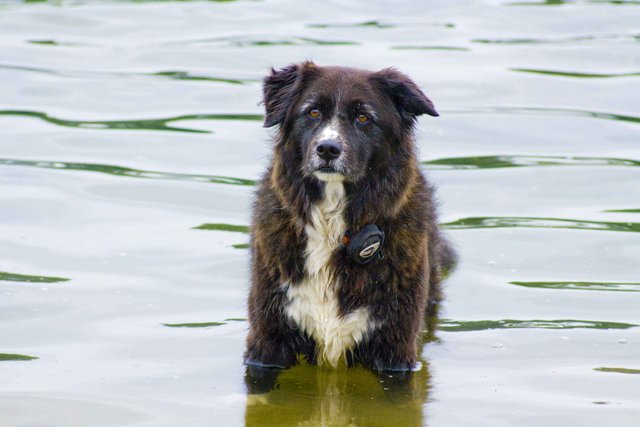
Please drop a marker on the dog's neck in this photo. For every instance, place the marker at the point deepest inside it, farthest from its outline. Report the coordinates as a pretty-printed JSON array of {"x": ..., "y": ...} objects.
[{"x": 326, "y": 224}]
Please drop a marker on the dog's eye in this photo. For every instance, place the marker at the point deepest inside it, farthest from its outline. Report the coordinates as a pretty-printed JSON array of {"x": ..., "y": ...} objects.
[
  {"x": 362, "y": 118},
  {"x": 314, "y": 114}
]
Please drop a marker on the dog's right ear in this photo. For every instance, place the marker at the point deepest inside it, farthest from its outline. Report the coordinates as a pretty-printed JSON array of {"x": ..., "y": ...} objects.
[
  {"x": 280, "y": 89},
  {"x": 407, "y": 96}
]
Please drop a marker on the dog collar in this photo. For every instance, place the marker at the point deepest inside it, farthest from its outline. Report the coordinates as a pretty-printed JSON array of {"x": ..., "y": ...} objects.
[{"x": 363, "y": 246}]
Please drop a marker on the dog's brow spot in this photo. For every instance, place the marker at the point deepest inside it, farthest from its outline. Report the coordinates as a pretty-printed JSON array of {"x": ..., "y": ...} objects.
[{"x": 331, "y": 131}]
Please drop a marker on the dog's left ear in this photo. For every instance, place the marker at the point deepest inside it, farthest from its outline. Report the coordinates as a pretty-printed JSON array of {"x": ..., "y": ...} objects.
[
  {"x": 280, "y": 89},
  {"x": 407, "y": 96}
]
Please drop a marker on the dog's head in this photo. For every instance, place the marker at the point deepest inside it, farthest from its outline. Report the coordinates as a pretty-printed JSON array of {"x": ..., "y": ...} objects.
[{"x": 339, "y": 118}]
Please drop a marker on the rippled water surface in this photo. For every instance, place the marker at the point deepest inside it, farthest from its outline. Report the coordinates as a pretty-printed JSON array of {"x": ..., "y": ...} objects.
[{"x": 130, "y": 145}]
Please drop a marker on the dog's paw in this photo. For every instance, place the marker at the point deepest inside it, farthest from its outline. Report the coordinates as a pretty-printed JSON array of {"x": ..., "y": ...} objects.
[{"x": 260, "y": 379}]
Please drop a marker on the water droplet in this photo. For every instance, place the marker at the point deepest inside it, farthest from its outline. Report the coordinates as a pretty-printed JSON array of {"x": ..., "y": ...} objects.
[
  {"x": 492, "y": 262},
  {"x": 622, "y": 341},
  {"x": 497, "y": 345}
]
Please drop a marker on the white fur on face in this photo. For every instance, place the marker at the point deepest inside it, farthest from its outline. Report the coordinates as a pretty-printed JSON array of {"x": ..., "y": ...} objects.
[
  {"x": 329, "y": 177},
  {"x": 331, "y": 131},
  {"x": 313, "y": 304}
]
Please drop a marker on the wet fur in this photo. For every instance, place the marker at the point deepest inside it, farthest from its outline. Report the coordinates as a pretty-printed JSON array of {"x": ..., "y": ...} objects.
[{"x": 383, "y": 186}]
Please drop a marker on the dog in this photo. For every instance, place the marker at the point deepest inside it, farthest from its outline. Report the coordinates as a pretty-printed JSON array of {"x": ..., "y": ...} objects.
[{"x": 346, "y": 254}]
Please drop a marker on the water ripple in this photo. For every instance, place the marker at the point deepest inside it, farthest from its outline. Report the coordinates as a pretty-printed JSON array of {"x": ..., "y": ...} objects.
[
  {"x": 371, "y": 24},
  {"x": 483, "y": 325},
  {"x": 224, "y": 227},
  {"x": 618, "y": 370},
  {"x": 623, "y": 210},
  {"x": 579, "y": 39},
  {"x": 488, "y": 222},
  {"x": 128, "y": 172},
  {"x": 8, "y": 357},
  {"x": 558, "y": 111},
  {"x": 528, "y": 222},
  {"x": 194, "y": 325},
  {"x": 413, "y": 47},
  {"x": 171, "y": 74},
  {"x": 515, "y": 161},
  {"x": 163, "y": 124},
  {"x": 580, "y": 75},
  {"x": 145, "y": 124},
  {"x": 583, "y": 286},
  {"x": 204, "y": 324},
  {"x": 13, "y": 277},
  {"x": 246, "y": 41},
  {"x": 571, "y": 2}
]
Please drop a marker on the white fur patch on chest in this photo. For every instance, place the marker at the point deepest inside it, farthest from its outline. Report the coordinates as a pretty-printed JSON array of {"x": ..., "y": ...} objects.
[{"x": 313, "y": 304}]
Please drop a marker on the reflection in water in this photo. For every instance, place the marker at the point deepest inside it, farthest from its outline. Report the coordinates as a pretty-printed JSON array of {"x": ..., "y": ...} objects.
[
  {"x": 306, "y": 395},
  {"x": 508, "y": 222},
  {"x": 515, "y": 161},
  {"x": 618, "y": 370},
  {"x": 146, "y": 124},
  {"x": 583, "y": 286},
  {"x": 6, "y": 357},
  {"x": 310, "y": 396},
  {"x": 128, "y": 172},
  {"x": 483, "y": 325},
  {"x": 574, "y": 74},
  {"x": 13, "y": 277}
]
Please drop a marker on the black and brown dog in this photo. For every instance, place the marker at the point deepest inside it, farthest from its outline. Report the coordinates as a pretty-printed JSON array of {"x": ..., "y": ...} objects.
[{"x": 344, "y": 161}]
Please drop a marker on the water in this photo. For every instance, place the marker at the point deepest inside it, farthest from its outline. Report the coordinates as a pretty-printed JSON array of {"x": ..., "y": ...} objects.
[{"x": 130, "y": 144}]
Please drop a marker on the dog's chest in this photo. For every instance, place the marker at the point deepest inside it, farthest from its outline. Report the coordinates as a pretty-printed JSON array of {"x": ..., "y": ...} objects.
[{"x": 313, "y": 304}]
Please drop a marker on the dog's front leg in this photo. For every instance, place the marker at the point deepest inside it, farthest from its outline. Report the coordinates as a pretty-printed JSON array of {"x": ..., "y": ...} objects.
[
  {"x": 393, "y": 343},
  {"x": 259, "y": 380},
  {"x": 270, "y": 353},
  {"x": 383, "y": 353}
]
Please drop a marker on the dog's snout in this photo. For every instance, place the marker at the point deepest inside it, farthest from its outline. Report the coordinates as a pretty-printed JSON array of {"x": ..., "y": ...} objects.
[{"x": 329, "y": 149}]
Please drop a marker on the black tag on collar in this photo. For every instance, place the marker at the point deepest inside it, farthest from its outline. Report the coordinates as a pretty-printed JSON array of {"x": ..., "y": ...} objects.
[{"x": 363, "y": 246}]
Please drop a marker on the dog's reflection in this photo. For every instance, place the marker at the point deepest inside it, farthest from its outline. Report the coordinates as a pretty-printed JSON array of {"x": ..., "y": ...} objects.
[{"x": 310, "y": 396}]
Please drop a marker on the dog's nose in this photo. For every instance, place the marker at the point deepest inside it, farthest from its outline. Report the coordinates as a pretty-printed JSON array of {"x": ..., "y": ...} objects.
[{"x": 329, "y": 149}]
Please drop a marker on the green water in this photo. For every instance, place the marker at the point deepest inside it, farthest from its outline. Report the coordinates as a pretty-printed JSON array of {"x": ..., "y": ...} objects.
[{"x": 130, "y": 147}]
